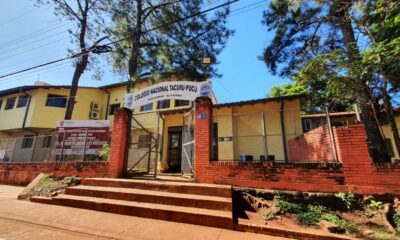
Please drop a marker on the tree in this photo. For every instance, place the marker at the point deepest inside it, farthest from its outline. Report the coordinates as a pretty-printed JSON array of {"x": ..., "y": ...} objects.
[
  {"x": 316, "y": 96},
  {"x": 380, "y": 23},
  {"x": 86, "y": 18},
  {"x": 152, "y": 45},
  {"x": 315, "y": 35}
]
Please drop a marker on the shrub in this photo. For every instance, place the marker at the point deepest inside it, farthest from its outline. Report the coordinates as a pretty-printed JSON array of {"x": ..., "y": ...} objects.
[
  {"x": 312, "y": 216},
  {"x": 288, "y": 207},
  {"x": 349, "y": 199},
  {"x": 335, "y": 219},
  {"x": 396, "y": 219},
  {"x": 267, "y": 215},
  {"x": 375, "y": 204}
]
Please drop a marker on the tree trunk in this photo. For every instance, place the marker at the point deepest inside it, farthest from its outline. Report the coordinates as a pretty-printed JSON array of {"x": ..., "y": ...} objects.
[
  {"x": 79, "y": 69},
  {"x": 80, "y": 66},
  {"x": 376, "y": 143},
  {"x": 135, "y": 51}
]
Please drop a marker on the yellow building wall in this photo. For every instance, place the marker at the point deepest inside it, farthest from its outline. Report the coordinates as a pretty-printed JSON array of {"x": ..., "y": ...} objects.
[
  {"x": 244, "y": 123},
  {"x": 11, "y": 118},
  {"x": 388, "y": 134},
  {"x": 42, "y": 116}
]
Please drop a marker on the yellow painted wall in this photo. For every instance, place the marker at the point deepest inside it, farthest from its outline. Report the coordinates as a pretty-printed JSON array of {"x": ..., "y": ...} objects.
[
  {"x": 42, "y": 116},
  {"x": 11, "y": 118},
  {"x": 244, "y": 124},
  {"x": 388, "y": 134}
]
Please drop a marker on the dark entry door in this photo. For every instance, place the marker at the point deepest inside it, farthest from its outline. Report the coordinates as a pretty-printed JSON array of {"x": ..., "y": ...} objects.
[{"x": 175, "y": 149}]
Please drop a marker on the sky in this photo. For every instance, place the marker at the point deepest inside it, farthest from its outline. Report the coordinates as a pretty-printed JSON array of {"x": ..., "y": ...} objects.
[{"x": 31, "y": 36}]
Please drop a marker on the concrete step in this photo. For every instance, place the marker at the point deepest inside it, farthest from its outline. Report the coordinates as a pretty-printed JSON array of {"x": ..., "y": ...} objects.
[
  {"x": 205, "y": 217},
  {"x": 149, "y": 196},
  {"x": 166, "y": 186}
]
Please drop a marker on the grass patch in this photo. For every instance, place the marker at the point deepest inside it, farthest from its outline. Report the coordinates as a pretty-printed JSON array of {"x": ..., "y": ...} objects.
[
  {"x": 290, "y": 207},
  {"x": 267, "y": 215},
  {"x": 44, "y": 182}
]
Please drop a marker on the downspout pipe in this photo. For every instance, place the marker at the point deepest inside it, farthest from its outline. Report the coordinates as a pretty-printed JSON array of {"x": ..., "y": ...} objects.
[
  {"x": 283, "y": 130},
  {"x": 108, "y": 102},
  {"x": 26, "y": 114}
]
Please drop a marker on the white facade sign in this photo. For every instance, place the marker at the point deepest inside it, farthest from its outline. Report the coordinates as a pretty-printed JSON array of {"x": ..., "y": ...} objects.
[
  {"x": 182, "y": 90},
  {"x": 83, "y": 123}
]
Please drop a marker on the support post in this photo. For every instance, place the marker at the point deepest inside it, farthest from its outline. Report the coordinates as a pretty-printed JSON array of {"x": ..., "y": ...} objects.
[
  {"x": 120, "y": 142},
  {"x": 202, "y": 137},
  {"x": 332, "y": 138}
]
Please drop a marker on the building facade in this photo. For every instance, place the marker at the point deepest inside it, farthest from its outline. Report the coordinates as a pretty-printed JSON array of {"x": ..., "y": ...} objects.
[{"x": 256, "y": 130}]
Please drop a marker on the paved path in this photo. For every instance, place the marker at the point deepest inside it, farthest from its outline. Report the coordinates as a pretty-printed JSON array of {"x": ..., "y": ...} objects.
[{"x": 26, "y": 220}]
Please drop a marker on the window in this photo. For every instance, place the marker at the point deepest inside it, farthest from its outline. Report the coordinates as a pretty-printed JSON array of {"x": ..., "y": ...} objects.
[
  {"x": 22, "y": 101},
  {"x": 47, "y": 141},
  {"x": 389, "y": 147},
  {"x": 1, "y": 104},
  {"x": 144, "y": 141},
  {"x": 163, "y": 104},
  {"x": 114, "y": 108},
  {"x": 28, "y": 140},
  {"x": 56, "y": 101},
  {"x": 180, "y": 103},
  {"x": 307, "y": 124},
  {"x": 10, "y": 103},
  {"x": 147, "y": 107}
]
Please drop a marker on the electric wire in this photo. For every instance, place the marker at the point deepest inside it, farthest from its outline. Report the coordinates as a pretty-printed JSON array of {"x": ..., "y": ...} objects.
[{"x": 119, "y": 40}]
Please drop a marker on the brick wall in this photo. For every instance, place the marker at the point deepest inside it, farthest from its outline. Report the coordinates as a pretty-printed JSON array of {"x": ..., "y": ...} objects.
[
  {"x": 313, "y": 146},
  {"x": 355, "y": 173},
  {"x": 23, "y": 173}
]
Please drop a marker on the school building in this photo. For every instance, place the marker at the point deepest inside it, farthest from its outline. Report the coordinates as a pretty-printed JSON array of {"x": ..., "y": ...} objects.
[{"x": 162, "y": 132}]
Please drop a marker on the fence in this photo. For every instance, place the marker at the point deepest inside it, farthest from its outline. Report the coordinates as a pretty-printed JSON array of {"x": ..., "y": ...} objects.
[
  {"x": 274, "y": 135},
  {"x": 44, "y": 148}
]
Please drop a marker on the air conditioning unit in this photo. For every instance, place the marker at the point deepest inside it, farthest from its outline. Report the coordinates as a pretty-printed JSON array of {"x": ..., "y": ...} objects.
[
  {"x": 94, "y": 114},
  {"x": 95, "y": 106}
]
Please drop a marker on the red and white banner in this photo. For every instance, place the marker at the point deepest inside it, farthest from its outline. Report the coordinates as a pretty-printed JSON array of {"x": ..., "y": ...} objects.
[{"x": 82, "y": 136}]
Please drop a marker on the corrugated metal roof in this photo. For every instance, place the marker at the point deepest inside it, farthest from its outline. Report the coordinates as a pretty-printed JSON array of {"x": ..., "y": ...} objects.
[{"x": 261, "y": 100}]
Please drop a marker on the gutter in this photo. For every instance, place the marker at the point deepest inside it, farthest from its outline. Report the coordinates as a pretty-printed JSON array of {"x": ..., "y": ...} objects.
[
  {"x": 108, "y": 102},
  {"x": 282, "y": 116},
  {"x": 26, "y": 115}
]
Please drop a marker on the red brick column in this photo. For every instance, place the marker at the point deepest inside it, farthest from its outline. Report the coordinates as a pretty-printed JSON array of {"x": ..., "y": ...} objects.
[
  {"x": 119, "y": 142},
  {"x": 202, "y": 137},
  {"x": 353, "y": 153}
]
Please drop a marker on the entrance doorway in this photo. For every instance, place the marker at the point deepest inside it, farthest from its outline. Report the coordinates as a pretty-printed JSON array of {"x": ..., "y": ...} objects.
[{"x": 175, "y": 149}]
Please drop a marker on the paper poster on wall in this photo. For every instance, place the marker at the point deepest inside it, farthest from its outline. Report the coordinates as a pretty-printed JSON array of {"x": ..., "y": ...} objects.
[{"x": 182, "y": 90}]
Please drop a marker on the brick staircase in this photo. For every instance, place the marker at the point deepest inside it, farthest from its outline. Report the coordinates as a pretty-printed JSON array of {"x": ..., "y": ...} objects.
[{"x": 201, "y": 204}]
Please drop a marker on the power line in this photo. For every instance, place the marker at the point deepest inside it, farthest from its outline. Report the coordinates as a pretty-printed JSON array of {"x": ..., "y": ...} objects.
[
  {"x": 229, "y": 2},
  {"x": 33, "y": 34},
  {"x": 32, "y": 43},
  {"x": 17, "y": 17}
]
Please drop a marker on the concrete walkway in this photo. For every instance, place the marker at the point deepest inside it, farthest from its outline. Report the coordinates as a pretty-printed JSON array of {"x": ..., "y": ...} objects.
[{"x": 26, "y": 220}]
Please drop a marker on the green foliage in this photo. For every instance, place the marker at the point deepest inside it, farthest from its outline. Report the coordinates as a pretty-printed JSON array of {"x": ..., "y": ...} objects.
[
  {"x": 375, "y": 204},
  {"x": 105, "y": 151},
  {"x": 311, "y": 217},
  {"x": 267, "y": 215},
  {"x": 396, "y": 219},
  {"x": 173, "y": 48},
  {"x": 44, "y": 181},
  {"x": 335, "y": 219},
  {"x": 289, "y": 207},
  {"x": 287, "y": 90},
  {"x": 348, "y": 198}
]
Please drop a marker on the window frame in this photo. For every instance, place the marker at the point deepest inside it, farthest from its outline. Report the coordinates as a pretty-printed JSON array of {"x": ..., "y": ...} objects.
[
  {"x": 25, "y": 100},
  {"x": 51, "y": 96},
  {"x": 163, "y": 101},
  {"x": 144, "y": 141},
  {"x": 113, "y": 108},
  {"x": 307, "y": 121},
  {"x": 28, "y": 144},
  {"x": 142, "y": 108},
  {"x": 181, "y": 101},
  {"x": 7, "y": 107}
]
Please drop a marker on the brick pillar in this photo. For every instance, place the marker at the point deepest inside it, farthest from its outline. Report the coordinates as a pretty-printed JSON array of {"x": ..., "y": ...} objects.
[
  {"x": 353, "y": 153},
  {"x": 202, "y": 137},
  {"x": 122, "y": 120}
]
